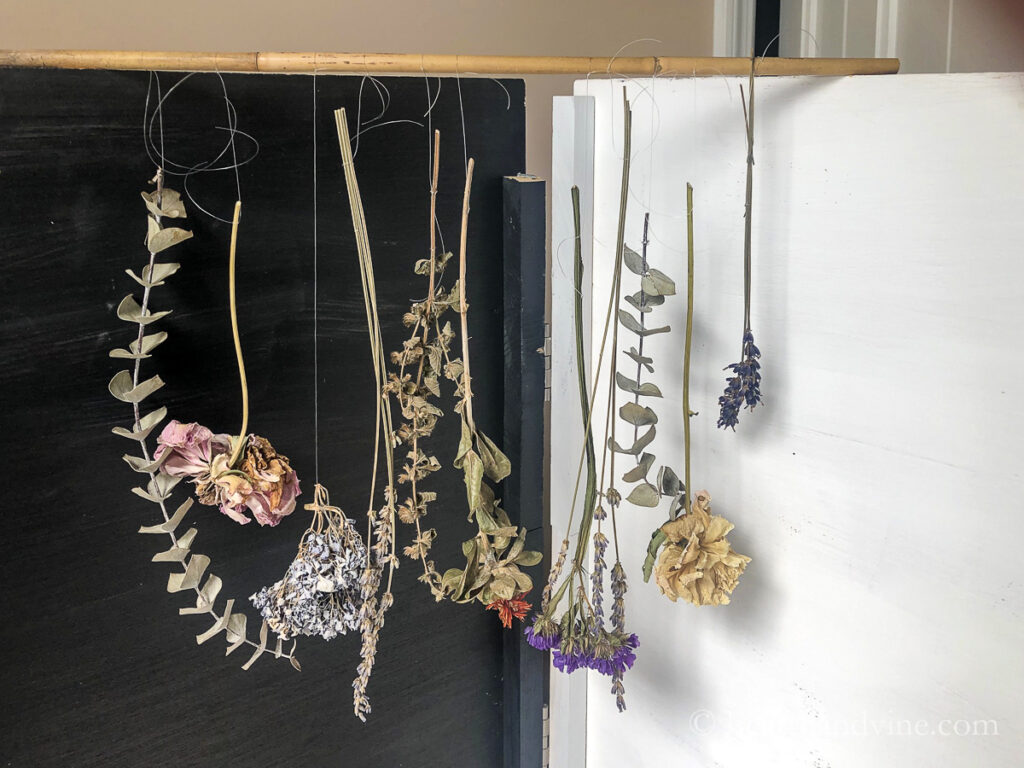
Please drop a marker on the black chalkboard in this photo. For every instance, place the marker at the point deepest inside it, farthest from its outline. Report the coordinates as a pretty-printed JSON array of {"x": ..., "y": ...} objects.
[{"x": 99, "y": 670}]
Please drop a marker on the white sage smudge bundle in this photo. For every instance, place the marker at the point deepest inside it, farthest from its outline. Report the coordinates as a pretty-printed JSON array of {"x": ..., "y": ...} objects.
[{"x": 320, "y": 592}]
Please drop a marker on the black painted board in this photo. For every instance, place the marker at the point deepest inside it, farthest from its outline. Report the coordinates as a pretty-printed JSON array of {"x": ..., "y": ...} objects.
[
  {"x": 98, "y": 668},
  {"x": 524, "y": 286}
]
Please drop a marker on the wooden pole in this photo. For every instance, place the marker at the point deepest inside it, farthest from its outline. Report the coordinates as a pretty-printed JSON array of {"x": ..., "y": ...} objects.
[{"x": 414, "y": 63}]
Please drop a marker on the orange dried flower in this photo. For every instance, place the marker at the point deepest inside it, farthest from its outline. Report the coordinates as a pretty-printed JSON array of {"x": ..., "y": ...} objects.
[{"x": 517, "y": 608}]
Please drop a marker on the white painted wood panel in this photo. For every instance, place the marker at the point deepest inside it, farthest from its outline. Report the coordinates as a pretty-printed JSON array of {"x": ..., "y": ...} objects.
[{"x": 879, "y": 490}]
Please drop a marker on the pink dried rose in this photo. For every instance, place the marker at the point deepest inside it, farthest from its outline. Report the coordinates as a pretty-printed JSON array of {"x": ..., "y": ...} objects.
[
  {"x": 192, "y": 448},
  {"x": 263, "y": 483}
]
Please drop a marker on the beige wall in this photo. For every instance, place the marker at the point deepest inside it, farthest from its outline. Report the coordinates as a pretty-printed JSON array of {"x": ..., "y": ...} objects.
[{"x": 562, "y": 27}]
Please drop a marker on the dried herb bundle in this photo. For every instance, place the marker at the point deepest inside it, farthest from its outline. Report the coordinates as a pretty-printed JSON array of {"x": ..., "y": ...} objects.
[
  {"x": 128, "y": 387},
  {"x": 492, "y": 572},
  {"x": 743, "y": 388},
  {"x": 421, "y": 363}
]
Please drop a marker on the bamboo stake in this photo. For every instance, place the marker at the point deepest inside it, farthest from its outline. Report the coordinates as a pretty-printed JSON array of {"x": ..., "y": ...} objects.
[{"x": 416, "y": 63}]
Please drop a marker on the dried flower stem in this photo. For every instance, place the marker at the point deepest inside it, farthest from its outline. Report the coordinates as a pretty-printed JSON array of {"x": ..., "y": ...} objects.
[
  {"x": 748, "y": 119},
  {"x": 463, "y": 306},
  {"x": 686, "y": 351},
  {"x": 237, "y": 453}
]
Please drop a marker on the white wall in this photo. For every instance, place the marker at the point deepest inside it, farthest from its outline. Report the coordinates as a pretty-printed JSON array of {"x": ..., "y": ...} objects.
[{"x": 879, "y": 490}]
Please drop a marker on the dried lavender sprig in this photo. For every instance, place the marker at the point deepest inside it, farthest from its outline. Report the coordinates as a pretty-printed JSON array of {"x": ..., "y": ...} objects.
[
  {"x": 619, "y": 625},
  {"x": 743, "y": 389}
]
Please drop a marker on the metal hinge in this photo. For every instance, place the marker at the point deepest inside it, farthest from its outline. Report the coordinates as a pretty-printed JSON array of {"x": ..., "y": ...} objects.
[
  {"x": 546, "y": 351},
  {"x": 545, "y": 759}
]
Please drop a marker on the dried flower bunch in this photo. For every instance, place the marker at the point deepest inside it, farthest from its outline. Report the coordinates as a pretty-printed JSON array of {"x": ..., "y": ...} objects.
[
  {"x": 320, "y": 593},
  {"x": 271, "y": 487},
  {"x": 579, "y": 637},
  {"x": 492, "y": 572},
  {"x": 743, "y": 388},
  {"x": 689, "y": 554},
  {"x": 262, "y": 483}
]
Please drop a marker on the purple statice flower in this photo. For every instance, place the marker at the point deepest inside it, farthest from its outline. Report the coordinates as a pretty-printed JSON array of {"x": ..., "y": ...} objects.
[
  {"x": 570, "y": 661},
  {"x": 542, "y": 634},
  {"x": 743, "y": 389}
]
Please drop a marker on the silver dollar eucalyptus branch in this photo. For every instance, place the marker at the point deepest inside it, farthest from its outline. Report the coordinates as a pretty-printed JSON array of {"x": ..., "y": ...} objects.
[
  {"x": 655, "y": 285},
  {"x": 128, "y": 387}
]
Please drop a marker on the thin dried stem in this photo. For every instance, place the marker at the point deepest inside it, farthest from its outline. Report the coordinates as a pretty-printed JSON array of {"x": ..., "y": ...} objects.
[{"x": 463, "y": 306}]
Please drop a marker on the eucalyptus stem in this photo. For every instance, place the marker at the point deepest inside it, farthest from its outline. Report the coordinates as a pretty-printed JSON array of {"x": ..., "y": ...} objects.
[{"x": 686, "y": 351}]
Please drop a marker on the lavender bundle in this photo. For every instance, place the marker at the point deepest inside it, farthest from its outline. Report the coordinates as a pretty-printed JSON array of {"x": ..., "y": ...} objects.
[{"x": 743, "y": 388}]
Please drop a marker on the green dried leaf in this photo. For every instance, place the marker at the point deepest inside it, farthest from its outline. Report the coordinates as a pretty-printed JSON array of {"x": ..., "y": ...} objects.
[
  {"x": 676, "y": 506},
  {"x": 669, "y": 482},
  {"x": 641, "y": 442},
  {"x": 139, "y": 464},
  {"x": 644, "y": 302},
  {"x": 529, "y": 558},
  {"x": 205, "y": 597},
  {"x": 157, "y": 489},
  {"x": 170, "y": 206},
  {"x": 473, "y": 468},
  {"x": 647, "y": 389},
  {"x": 156, "y": 276},
  {"x": 496, "y": 464},
  {"x": 634, "y": 261},
  {"x": 639, "y": 359},
  {"x": 639, "y": 472},
  {"x": 644, "y": 495},
  {"x": 465, "y": 444},
  {"x": 632, "y": 324},
  {"x": 179, "y": 582},
  {"x": 160, "y": 239},
  {"x": 638, "y": 415},
  {"x": 657, "y": 283},
  {"x": 178, "y": 551},
  {"x": 504, "y": 587},
  {"x": 145, "y": 425},
  {"x": 130, "y": 311},
  {"x": 121, "y": 387},
  {"x": 657, "y": 539}
]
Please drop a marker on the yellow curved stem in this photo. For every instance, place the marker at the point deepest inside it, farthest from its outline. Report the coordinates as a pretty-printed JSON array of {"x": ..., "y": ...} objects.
[{"x": 238, "y": 343}]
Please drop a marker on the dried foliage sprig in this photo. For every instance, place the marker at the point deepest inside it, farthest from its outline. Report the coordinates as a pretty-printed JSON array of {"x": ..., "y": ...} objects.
[
  {"x": 381, "y": 523},
  {"x": 492, "y": 573},
  {"x": 423, "y": 353},
  {"x": 743, "y": 388},
  {"x": 128, "y": 387},
  {"x": 579, "y": 638},
  {"x": 655, "y": 285},
  {"x": 689, "y": 555}
]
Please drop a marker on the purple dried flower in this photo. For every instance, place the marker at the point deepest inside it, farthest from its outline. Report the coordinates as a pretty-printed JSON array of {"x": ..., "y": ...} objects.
[
  {"x": 542, "y": 634},
  {"x": 743, "y": 389}
]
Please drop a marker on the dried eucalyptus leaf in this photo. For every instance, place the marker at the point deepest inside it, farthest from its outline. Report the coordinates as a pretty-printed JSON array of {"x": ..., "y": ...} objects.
[
  {"x": 219, "y": 625},
  {"x": 179, "y": 582},
  {"x": 235, "y": 633},
  {"x": 496, "y": 464},
  {"x": 259, "y": 649},
  {"x": 632, "y": 324},
  {"x": 205, "y": 597},
  {"x": 130, "y": 311},
  {"x": 639, "y": 472},
  {"x": 677, "y": 505},
  {"x": 657, "y": 283},
  {"x": 639, "y": 359},
  {"x": 638, "y": 415},
  {"x": 633, "y": 261},
  {"x": 647, "y": 389},
  {"x": 139, "y": 463},
  {"x": 644, "y": 495},
  {"x": 669, "y": 481},
  {"x": 149, "y": 342},
  {"x": 168, "y": 526},
  {"x": 170, "y": 205},
  {"x": 177, "y": 551},
  {"x": 145, "y": 425},
  {"x": 121, "y": 387},
  {"x": 635, "y": 303},
  {"x": 634, "y": 450},
  {"x": 641, "y": 299},
  {"x": 295, "y": 663},
  {"x": 163, "y": 239}
]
